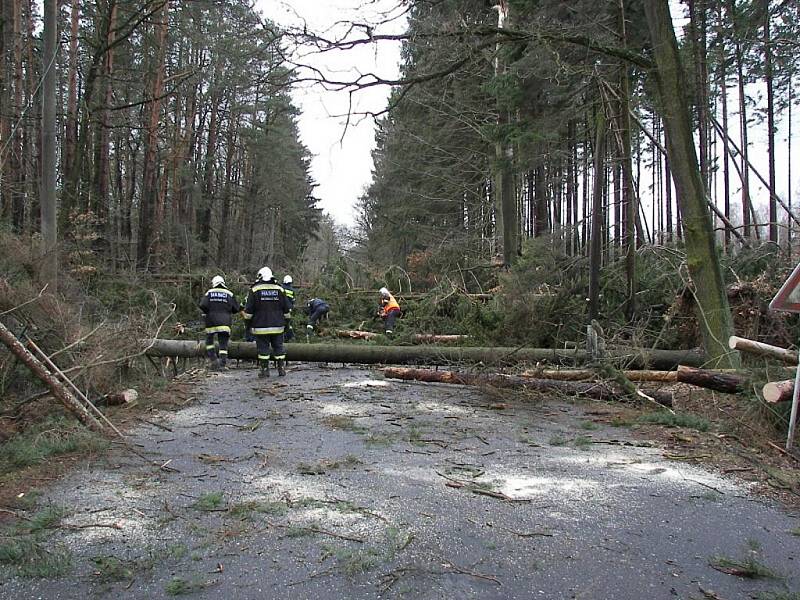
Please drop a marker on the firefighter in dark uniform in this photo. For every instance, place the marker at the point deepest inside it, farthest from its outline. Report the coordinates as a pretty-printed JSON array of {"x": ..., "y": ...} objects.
[
  {"x": 218, "y": 306},
  {"x": 289, "y": 290},
  {"x": 266, "y": 312},
  {"x": 316, "y": 309}
]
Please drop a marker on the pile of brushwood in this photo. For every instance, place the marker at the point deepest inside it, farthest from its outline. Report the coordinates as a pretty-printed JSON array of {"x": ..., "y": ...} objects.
[
  {"x": 90, "y": 328},
  {"x": 541, "y": 302}
]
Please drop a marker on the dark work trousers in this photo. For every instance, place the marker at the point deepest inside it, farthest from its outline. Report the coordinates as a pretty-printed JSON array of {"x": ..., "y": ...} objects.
[
  {"x": 223, "y": 338},
  {"x": 317, "y": 315},
  {"x": 389, "y": 319},
  {"x": 263, "y": 343},
  {"x": 288, "y": 332}
]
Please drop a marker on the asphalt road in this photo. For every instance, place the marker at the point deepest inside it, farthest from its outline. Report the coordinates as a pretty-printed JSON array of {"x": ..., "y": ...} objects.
[{"x": 333, "y": 483}]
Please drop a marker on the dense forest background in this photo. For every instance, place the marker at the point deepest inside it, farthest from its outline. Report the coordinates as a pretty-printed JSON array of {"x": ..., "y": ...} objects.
[{"x": 554, "y": 154}]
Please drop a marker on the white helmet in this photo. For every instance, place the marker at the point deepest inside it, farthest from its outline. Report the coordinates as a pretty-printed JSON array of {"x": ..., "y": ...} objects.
[
  {"x": 218, "y": 281},
  {"x": 383, "y": 291},
  {"x": 287, "y": 280},
  {"x": 264, "y": 274}
]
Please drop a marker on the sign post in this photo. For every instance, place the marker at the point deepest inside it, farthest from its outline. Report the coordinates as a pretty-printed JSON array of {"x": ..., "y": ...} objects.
[{"x": 788, "y": 300}]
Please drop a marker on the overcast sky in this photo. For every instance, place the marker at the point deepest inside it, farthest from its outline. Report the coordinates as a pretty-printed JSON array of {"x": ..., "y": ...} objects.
[{"x": 342, "y": 163}]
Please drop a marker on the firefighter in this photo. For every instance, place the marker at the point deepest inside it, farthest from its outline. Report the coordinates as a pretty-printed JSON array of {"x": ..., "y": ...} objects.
[
  {"x": 289, "y": 290},
  {"x": 389, "y": 310},
  {"x": 218, "y": 306},
  {"x": 266, "y": 313},
  {"x": 316, "y": 309}
]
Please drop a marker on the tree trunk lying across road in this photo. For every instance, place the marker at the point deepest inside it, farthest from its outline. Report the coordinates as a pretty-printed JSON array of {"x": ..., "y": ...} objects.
[
  {"x": 431, "y": 355},
  {"x": 421, "y": 338},
  {"x": 595, "y": 390},
  {"x": 778, "y": 391}
]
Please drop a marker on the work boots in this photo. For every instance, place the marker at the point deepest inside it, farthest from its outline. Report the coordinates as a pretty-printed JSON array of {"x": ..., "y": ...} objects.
[
  {"x": 214, "y": 366},
  {"x": 223, "y": 363},
  {"x": 281, "y": 368},
  {"x": 264, "y": 371}
]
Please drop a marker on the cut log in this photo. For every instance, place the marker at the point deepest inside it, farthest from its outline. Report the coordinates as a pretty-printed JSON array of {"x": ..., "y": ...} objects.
[
  {"x": 60, "y": 392},
  {"x": 762, "y": 349},
  {"x": 587, "y": 374},
  {"x": 124, "y": 397},
  {"x": 429, "y": 355},
  {"x": 596, "y": 391},
  {"x": 778, "y": 391},
  {"x": 420, "y": 338},
  {"x": 729, "y": 383}
]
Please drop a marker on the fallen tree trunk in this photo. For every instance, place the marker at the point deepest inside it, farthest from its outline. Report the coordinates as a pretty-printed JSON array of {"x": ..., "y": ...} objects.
[
  {"x": 423, "y": 338},
  {"x": 762, "y": 349},
  {"x": 595, "y": 390},
  {"x": 59, "y": 391},
  {"x": 729, "y": 383},
  {"x": 585, "y": 374},
  {"x": 431, "y": 355},
  {"x": 778, "y": 391}
]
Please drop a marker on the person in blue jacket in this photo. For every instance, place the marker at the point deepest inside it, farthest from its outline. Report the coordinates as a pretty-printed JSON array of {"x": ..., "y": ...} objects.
[{"x": 316, "y": 309}]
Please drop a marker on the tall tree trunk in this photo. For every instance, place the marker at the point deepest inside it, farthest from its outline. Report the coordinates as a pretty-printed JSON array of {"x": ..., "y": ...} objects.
[
  {"x": 739, "y": 58},
  {"x": 713, "y": 311},
  {"x": 71, "y": 125},
  {"x": 630, "y": 201},
  {"x": 768, "y": 80},
  {"x": 722, "y": 67},
  {"x": 48, "y": 190},
  {"x": 99, "y": 203},
  {"x": 146, "y": 234},
  {"x": 596, "y": 242}
]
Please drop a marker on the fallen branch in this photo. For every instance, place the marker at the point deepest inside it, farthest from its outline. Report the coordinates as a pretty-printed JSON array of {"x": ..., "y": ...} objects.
[{"x": 60, "y": 392}]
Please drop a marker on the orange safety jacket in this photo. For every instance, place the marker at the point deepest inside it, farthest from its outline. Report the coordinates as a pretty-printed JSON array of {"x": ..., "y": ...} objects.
[{"x": 389, "y": 305}]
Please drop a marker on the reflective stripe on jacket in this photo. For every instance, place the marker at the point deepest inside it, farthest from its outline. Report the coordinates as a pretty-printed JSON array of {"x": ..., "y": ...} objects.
[
  {"x": 218, "y": 305},
  {"x": 267, "y": 309}
]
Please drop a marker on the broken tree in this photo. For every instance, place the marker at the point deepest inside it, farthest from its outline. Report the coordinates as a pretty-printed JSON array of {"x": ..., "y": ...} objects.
[
  {"x": 59, "y": 391},
  {"x": 419, "y": 338},
  {"x": 431, "y": 355},
  {"x": 594, "y": 390}
]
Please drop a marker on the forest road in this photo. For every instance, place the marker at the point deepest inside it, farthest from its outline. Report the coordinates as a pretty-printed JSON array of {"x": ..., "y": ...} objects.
[{"x": 334, "y": 483}]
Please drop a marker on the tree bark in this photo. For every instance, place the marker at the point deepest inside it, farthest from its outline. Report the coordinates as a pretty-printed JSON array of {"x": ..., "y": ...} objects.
[
  {"x": 768, "y": 80},
  {"x": 48, "y": 187},
  {"x": 762, "y": 349},
  {"x": 721, "y": 382},
  {"x": 596, "y": 242},
  {"x": 150, "y": 166},
  {"x": 713, "y": 311},
  {"x": 432, "y": 355},
  {"x": 594, "y": 390}
]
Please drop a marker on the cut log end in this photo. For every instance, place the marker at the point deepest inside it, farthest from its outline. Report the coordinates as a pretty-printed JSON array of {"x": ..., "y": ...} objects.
[{"x": 778, "y": 391}]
